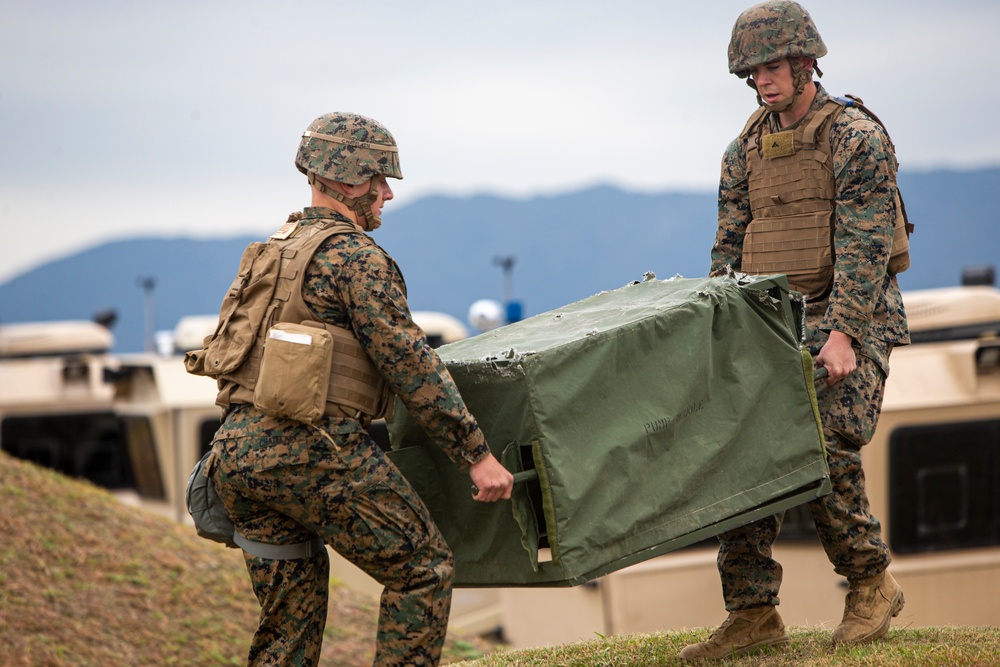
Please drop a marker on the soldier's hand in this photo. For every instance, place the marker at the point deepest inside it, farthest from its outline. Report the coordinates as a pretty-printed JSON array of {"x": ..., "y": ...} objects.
[
  {"x": 492, "y": 480},
  {"x": 837, "y": 357}
]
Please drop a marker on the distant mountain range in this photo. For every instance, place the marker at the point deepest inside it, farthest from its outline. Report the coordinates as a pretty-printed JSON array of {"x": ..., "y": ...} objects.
[{"x": 565, "y": 247}]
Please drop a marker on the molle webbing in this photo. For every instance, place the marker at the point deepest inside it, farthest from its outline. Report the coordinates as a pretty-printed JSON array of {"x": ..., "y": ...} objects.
[
  {"x": 789, "y": 247},
  {"x": 354, "y": 380},
  {"x": 793, "y": 177}
]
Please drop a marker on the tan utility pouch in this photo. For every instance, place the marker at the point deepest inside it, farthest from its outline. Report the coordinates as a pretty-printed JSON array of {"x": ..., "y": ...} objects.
[
  {"x": 899, "y": 260},
  {"x": 294, "y": 372},
  {"x": 243, "y": 312},
  {"x": 798, "y": 246}
]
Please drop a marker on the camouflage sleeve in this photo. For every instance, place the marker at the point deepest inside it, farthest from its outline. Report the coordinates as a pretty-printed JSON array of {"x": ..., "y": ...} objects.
[
  {"x": 734, "y": 210},
  {"x": 367, "y": 283},
  {"x": 864, "y": 172}
]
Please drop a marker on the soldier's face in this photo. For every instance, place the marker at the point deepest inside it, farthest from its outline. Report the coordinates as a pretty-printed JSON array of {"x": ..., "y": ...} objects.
[
  {"x": 384, "y": 195},
  {"x": 775, "y": 83}
]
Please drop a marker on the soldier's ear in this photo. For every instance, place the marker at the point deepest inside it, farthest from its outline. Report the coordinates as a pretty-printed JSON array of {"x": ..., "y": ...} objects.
[{"x": 337, "y": 186}]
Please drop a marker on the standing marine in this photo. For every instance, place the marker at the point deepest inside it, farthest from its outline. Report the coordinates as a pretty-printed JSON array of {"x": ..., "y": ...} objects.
[
  {"x": 808, "y": 190},
  {"x": 315, "y": 340}
]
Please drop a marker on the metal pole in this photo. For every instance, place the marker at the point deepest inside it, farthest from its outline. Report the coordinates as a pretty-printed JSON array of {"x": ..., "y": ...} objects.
[
  {"x": 506, "y": 264},
  {"x": 147, "y": 283}
]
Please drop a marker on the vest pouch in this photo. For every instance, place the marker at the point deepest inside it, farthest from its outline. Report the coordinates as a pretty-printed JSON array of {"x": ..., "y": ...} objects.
[
  {"x": 211, "y": 520},
  {"x": 194, "y": 362},
  {"x": 798, "y": 246},
  {"x": 899, "y": 259},
  {"x": 294, "y": 372},
  {"x": 243, "y": 311}
]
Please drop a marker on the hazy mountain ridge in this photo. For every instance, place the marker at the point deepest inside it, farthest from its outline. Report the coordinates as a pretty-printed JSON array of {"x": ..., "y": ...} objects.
[{"x": 566, "y": 246}]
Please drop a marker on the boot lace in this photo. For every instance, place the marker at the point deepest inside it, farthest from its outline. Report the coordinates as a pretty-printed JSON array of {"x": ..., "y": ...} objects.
[{"x": 721, "y": 630}]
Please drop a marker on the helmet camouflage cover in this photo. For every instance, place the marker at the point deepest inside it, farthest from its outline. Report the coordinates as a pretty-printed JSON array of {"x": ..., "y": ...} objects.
[
  {"x": 348, "y": 148},
  {"x": 771, "y": 31}
]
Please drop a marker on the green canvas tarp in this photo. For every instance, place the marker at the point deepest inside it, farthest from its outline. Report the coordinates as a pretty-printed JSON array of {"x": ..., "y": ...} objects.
[{"x": 651, "y": 417}]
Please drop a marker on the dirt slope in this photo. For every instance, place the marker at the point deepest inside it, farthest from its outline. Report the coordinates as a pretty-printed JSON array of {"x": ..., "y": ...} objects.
[{"x": 87, "y": 581}]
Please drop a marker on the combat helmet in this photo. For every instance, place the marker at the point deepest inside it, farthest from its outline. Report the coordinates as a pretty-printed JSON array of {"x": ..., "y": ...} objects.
[
  {"x": 771, "y": 31},
  {"x": 348, "y": 148}
]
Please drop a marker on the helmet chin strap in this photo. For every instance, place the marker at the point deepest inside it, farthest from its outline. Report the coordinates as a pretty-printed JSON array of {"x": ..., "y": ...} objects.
[{"x": 362, "y": 206}]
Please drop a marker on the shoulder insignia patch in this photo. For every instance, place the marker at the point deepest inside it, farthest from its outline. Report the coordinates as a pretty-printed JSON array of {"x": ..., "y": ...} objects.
[{"x": 286, "y": 230}]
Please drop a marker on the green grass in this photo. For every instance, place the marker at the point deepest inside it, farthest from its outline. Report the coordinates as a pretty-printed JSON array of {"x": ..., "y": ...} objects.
[{"x": 934, "y": 647}]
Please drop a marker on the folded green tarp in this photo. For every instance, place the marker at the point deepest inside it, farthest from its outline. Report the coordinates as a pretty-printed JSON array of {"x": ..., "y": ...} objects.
[{"x": 653, "y": 416}]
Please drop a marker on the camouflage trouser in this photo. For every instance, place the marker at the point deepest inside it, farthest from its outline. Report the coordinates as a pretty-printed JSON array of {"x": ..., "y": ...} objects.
[
  {"x": 360, "y": 504},
  {"x": 850, "y": 534}
]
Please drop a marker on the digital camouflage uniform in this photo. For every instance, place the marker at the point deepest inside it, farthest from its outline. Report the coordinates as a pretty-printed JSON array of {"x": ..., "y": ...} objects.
[
  {"x": 284, "y": 481},
  {"x": 865, "y": 303}
]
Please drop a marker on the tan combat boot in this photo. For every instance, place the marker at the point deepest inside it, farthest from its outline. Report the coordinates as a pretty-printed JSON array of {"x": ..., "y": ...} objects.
[
  {"x": 744, "y": 631},
  {"x": 871, "y": 604}
]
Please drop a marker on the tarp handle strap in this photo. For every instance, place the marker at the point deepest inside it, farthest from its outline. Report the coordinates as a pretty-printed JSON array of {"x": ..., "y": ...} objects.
[
  {"x": 523, "y": 476},
  {"x": 820, "y": 373}
]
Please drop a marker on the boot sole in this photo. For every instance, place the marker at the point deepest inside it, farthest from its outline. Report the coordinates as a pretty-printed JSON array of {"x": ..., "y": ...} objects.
[
  {"x": 779, "y": 642},
  {"x": 897, "y": 606}
]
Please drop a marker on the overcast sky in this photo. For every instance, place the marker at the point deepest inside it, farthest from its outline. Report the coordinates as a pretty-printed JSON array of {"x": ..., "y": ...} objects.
[{"x": 125, "y": 118}]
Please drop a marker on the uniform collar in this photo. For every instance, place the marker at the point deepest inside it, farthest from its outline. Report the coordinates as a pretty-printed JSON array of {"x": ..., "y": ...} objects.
[{"x": 313, "y": 213}]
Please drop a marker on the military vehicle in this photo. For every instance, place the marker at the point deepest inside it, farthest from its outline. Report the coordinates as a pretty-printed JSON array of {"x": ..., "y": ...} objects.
[
  {"x": 133, "y": 423},
  {"x": 136, "y": 424}
]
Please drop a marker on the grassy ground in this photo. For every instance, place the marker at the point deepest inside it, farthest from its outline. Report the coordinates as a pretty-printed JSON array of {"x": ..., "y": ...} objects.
[
  {"x": 909, "y": 647},
  {"x": 87, "y": 582}
]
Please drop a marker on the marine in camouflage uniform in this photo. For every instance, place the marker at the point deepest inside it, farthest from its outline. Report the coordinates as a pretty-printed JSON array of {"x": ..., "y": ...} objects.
[
  {"x": 860, "y": 306},
  {"x": 285, "y": 482}
]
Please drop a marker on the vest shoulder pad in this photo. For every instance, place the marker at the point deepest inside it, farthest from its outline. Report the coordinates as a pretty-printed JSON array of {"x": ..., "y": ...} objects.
[{"x": 754, "y": 122}]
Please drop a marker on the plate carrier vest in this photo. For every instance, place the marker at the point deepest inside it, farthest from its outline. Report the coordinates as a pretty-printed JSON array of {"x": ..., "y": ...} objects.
[
  {"x": 792, "y": 193},
  {"x": 268, "y": 290}
]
